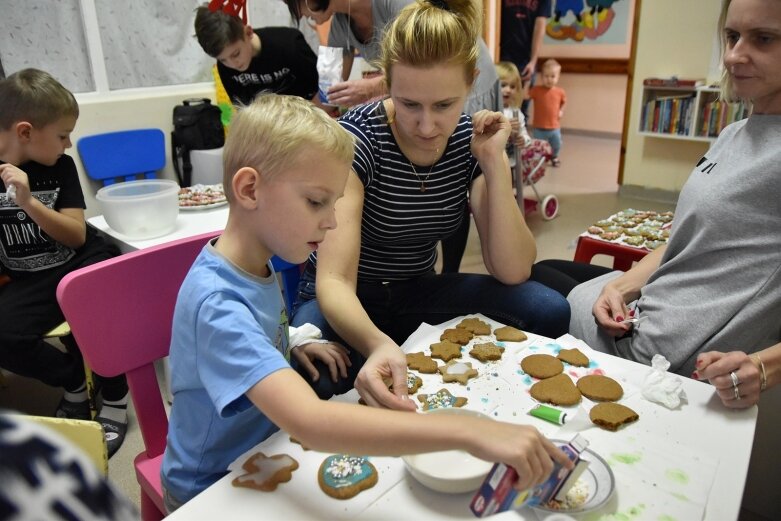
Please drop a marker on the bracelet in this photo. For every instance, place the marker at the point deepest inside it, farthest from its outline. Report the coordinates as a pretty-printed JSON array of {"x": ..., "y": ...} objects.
[{"x": 762, "y": 373}]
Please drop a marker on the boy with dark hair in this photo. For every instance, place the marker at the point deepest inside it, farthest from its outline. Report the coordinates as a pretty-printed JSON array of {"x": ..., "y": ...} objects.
[
  {"x": 268, "y": 59},
  {"x": 43, "y": 236}
]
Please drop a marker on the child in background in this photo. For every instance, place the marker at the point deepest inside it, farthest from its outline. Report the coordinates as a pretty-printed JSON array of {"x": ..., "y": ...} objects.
[
  {"x": 549, "y": 101},
  {"x": 268, "y": 59},
  {"x": 45, "y": 237},
  {"x": 512, "y": 96},
  {"x": 286, "y": 165}
]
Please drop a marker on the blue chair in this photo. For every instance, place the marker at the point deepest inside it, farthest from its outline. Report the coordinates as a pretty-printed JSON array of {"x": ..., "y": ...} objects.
[
  {"x": 290, "y": 274},
  {"x": 123, "y": 155}
]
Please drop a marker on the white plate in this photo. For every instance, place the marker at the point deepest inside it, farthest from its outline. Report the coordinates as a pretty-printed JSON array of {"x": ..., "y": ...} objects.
[
  {"x": 598, "y": 479},
  {"x": 203, "y": 206}
]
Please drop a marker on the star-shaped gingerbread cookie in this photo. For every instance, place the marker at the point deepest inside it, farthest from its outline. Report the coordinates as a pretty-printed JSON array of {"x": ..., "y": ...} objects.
[
  {"x": 475, "y": 325},
  {"x": 421, "y": 362},
  {"x": 456, "y": 335},
  {"x": 486, "y": 352},
  {"x": 440, "y": 400},
  {"x": 445, "y": 351},
  {"x": 457, "y": 371}
]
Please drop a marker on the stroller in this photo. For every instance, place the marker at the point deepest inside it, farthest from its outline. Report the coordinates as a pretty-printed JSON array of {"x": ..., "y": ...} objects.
[{"x": 529, "y": 168}]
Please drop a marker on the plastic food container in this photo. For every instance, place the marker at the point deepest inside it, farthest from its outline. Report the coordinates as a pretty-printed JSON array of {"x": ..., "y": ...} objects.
[{"x": 142, "y": 209}]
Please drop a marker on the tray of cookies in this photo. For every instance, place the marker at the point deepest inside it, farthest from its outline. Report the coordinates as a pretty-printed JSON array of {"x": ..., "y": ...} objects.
[{"x": 643, "y": 229}]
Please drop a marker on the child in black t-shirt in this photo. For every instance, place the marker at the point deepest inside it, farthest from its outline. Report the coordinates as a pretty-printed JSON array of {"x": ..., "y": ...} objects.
[
  {"x": 269, "y": 59},
  {"x": 43, "y": 236}
]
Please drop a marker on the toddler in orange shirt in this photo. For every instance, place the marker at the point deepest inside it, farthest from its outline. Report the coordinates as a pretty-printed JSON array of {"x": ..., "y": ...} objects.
[{"x": 549, "y": 101}]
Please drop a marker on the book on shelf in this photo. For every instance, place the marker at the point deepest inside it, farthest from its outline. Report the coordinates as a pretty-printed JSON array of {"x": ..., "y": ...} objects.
[
  {"x": 668, "y": 114},
  {"x": 673, "y": 81}
]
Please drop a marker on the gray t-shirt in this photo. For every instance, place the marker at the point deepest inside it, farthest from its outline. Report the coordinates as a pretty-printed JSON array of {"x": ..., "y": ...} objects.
[
  {"x": 486, "y": 93},
  {"x": 718, "y": 287}
]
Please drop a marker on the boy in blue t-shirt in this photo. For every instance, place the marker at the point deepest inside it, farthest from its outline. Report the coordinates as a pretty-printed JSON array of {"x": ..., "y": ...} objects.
[
  {"x": 286, "y": 165},
  {"x": 44, "y": 237}
]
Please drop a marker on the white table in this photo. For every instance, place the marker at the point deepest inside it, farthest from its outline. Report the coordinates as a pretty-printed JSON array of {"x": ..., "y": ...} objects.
[
  {"x": 687, "y": 464},
  {"x": 188, "y": 223}
]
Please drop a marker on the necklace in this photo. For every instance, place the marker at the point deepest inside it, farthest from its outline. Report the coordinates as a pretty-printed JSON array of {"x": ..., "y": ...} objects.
[{"x": 422, "y": 181}]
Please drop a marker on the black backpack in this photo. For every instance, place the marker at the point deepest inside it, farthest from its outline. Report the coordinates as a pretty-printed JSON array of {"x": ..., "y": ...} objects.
[{"x": 197, "y": 126}]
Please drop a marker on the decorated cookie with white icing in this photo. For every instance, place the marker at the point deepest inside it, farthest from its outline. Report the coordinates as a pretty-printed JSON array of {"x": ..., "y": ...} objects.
[
  {"x": 457, "y": 371},
  {"x": 265, "y": 473},
  {"x": 342, "y": 476},
  {"x": 440, "y": 400}
]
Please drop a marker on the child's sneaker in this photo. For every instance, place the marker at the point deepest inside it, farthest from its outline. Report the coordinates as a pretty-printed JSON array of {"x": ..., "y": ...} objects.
[
  {"x": 73, "y": 410},
  {"x": 555, "y": 162}
]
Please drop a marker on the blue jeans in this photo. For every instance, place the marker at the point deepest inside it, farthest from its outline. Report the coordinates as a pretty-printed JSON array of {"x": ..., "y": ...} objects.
[
  {"x": 398, "y": 308},
  {"x": 552, "y": 136}
]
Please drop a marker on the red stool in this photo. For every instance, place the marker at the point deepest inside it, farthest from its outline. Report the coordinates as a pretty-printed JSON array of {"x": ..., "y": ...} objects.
[{"x": 623, "y": 255}]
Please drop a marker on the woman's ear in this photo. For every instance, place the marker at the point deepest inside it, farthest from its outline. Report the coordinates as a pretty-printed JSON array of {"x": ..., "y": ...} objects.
[{"x": 245, "y": 184}]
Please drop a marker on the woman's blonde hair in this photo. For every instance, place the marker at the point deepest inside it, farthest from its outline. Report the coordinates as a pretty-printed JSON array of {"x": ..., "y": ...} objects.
[
  {"x": 508, "y": 72},
  {"x": 727, "y": 88},
  {"x": 274, "y": 132},
  {"x": 432, "y": 32}
]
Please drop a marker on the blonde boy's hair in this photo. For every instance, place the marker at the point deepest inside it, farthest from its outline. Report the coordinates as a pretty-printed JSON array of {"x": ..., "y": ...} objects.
[
  {"x": 34, "y": 96},
  {"x": 550, "y": 63},
  {"x": 430, "y": 32},
  {"x": 508, "y": 72},
  {"x": 274, "y": 132}
]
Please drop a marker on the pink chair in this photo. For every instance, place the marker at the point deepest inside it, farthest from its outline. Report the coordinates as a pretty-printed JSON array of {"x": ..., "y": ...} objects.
[{"x": 120, "y": 312}]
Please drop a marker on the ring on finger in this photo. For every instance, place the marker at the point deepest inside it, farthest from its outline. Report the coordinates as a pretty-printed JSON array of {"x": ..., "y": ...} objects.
[
  {"x": 737, "y": 393},
  {"x": 735, "y": 379}
]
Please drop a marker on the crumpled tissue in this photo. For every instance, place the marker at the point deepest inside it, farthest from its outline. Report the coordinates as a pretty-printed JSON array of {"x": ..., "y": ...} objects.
[
  {"x": 304, "y": 334},
  {"x": 662, "y": 387}
]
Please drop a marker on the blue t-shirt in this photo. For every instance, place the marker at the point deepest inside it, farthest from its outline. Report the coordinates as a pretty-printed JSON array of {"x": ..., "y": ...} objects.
[{"x": 229, "y": 332}]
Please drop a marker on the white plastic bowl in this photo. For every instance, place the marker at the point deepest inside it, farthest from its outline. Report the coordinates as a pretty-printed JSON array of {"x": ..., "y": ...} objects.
[
  {"x": 142, "y": 209},
  {"x": 450, "y": 471}
]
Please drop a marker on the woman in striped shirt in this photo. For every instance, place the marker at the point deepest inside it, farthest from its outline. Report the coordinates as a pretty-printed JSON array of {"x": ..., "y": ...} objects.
[{"x": 418, "y": 162}]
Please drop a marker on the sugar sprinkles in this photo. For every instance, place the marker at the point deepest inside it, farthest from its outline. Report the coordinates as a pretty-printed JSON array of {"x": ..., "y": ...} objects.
[{"x": 345, "y": 466}]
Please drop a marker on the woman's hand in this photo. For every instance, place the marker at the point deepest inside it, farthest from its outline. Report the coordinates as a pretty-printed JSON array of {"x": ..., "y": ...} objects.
[
  {"x": 521, "y": 446},
  {"x": 491, "y": 131},
  {"x": 387, "y": 363},
  {"x": 331, "y": 354},
  {"x": 610, "y": 311},
  {"x": 717, "y": 368}
]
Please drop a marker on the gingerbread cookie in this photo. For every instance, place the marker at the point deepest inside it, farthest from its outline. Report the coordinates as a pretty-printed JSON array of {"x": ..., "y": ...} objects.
[
  {"x": 509, "y": 334},
  {"x": 485, "y": 352},
  {"x": 475, "y": 325},
  {"x": 421, "y": 362},
  {"x": 542, "y": 366},
  {"x": 458, "y": 336},
  {"x": 265, "y": 473},
  {"x": 342, "y": 476},
  {"x": 558, "y": 390},
  {"x": 457, "y": 371},
  {"x": 600, "y": 388},
  {"x": 573, "y": 357},
  {"x": 611, "y": 416},
  {"x": 440, "y": 400},
  {"x": 445, "y": 351},
  {"x": 413, "y": 383}
]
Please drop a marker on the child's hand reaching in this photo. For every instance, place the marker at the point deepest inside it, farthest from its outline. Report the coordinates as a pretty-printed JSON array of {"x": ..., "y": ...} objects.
[
  {"x": 330, "y": 353},
  {"x": 16, "y": 182}
]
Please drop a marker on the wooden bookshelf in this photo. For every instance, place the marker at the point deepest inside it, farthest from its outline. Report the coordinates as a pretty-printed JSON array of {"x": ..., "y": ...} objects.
[{"x": 692, "y": 113}]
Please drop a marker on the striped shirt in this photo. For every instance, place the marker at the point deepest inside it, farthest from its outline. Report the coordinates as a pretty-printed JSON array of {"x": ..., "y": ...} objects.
[{"x": 401, "y": 224}]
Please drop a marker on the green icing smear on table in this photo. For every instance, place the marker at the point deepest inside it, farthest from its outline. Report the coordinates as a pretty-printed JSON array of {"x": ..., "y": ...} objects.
[
  {"x": 626, "y": 459},
  {"x": 680, "y": 496},
  {"x": 629, "y": 515},
  {"x": 677, "y": 475},
  {"x": 665, "y": 517}
]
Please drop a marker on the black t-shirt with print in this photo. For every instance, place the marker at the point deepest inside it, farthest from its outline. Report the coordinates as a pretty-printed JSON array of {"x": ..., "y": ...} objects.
[
  {"x": 24, "y": 247},
  {"x": 517, "y": 19},
  {"x": 285, "y": 65}
]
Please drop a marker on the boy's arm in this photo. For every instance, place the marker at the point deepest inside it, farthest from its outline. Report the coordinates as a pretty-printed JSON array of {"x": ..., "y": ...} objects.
[
  {"x": 563, "y": 103},
  {"x": 337, "y": 427},
  {"x": 66, "y": 226}
]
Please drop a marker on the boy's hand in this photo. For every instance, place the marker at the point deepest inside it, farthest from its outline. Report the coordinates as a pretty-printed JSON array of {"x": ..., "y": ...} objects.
[
  {"x": 523, "y": 447},
  {"x": 386, "y": 363},
  {"x": 331, "y": 354},
  {"x": 12, "y": 175}
]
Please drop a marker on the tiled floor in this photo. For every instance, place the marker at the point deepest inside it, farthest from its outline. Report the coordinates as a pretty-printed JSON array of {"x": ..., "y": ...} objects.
[{"x": 586, "y": 186}]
